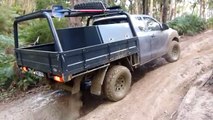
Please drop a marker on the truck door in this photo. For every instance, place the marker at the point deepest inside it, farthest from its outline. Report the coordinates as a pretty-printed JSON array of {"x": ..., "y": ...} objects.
[
  {"x": 158, "y": 37},
  {"x": 144, "y": 39}
]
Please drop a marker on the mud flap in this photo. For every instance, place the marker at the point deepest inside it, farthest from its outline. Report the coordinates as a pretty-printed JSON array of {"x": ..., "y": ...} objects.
[
  {"x": 73, "y": 89},
  {"x": 97, "y": 82},
  {"x": 77, "y": 84}
]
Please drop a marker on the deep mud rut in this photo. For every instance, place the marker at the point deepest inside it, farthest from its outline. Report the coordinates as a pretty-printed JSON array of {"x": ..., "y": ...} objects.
[{"x": 157, "y": 92}]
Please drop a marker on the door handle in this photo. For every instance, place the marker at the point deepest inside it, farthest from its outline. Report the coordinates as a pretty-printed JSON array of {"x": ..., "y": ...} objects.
[{"x": 152, "y": 35}]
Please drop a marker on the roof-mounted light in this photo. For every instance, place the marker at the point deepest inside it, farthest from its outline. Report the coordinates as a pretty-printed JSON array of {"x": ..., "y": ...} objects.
[{"x": 57, "y": 11}]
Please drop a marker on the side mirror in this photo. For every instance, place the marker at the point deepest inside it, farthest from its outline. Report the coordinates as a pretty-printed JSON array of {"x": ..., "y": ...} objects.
[{"x": 165, "y": 26}]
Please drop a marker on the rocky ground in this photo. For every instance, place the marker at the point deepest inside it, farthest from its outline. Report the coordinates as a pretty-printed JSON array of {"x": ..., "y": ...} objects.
[{"x": 161, "y": 91}]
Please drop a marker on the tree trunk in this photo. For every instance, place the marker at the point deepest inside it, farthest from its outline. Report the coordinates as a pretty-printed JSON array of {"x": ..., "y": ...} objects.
[
  {"x": 193, "y": 7},
  {"x": 136, "y": 7},
  {"x": 172, "y": 9},
  {"x": 164, "y": 13},
  {"x": 175, "y": 9},
  {"x": 201, "y": 6},
  {"x": 140, "y": 6},
  {"x": 75, "y": 21},
  {"x": 151, "y": 8},
  {"x": 204, "y": 9},
  {"x": 161, "y": 12},
  {"x": 145, "y": 7}
]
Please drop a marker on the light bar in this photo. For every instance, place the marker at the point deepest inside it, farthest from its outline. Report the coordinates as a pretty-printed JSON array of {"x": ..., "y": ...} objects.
[{"x": 89, "y": 10}]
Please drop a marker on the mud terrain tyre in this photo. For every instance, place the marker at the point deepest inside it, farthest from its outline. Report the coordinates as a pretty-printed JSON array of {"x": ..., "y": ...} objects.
[
  {"x": 173, "y": 52},
  {"x": 117, "y": 83}
]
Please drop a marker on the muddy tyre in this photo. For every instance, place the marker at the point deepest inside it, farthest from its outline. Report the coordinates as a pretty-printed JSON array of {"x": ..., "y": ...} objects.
[
  {"x": 117, "y": 83},
  {"x": 173, "y": 52}
]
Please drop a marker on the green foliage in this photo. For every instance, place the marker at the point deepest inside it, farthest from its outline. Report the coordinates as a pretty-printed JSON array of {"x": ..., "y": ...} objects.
[
  {"x": 210, "y": 23},
  {"x": 188, "y": 24},
  {"x": 43, "y": 4},
  {"x": 6, "y": 71},
  {"x": 6, "y": 94},
  {"x": 7, "y": 68},
  {"x": 39, "y": 28},
  {"x": 5, "y": 42},
  {"x": 210, "y": 3},
  {"x": 6, "y": 62},
  {"x": 28, "y": 80},
  {"x": 6, "y": 19}
]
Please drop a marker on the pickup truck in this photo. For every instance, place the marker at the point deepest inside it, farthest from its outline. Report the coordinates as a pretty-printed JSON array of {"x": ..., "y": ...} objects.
[{"x": 105, "y": 51}]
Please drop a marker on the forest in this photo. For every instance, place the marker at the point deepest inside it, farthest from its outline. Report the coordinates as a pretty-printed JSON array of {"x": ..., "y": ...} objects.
[{"x": 188, "y": 17}]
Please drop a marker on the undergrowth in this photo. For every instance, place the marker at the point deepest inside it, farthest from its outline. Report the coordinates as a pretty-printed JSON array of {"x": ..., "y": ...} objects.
[
  {"x": 188, "y": 24},
  {"x": 210, "y": 23},
  {"x": 39, "y": 28}
]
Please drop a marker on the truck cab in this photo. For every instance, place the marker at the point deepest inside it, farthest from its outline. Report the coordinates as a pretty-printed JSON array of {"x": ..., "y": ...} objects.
[{"x": 154, "y": 37}]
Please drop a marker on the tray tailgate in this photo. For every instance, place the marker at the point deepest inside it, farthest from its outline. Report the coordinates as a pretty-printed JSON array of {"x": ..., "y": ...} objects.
[{"x": 38, "y": 60}]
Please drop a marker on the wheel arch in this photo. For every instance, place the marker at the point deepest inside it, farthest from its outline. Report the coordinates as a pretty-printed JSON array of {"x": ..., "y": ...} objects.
[{"x": 176, "y": 39}]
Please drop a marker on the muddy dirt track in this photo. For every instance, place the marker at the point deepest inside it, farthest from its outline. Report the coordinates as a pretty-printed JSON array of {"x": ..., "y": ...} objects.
[{"x": 157, "y": 92}]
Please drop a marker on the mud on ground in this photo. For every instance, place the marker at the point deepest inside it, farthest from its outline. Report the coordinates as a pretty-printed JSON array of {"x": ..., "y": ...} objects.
[{"x": 161, "y": 91}]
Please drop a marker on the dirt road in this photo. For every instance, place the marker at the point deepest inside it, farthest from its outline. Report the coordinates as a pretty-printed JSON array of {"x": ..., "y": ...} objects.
[{"x": 156, "y": 93}]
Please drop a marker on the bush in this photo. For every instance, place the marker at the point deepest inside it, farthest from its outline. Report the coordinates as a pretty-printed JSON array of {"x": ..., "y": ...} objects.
[
  {"x": 39, "y": 28},
  {"x": 28, "y": 80},
  {"x": 6, "y": 70},
  {"x": 43, "y": 4},
  {"x": 210, "y": 23},
  {"x": 6, "y": 19},
  {"x": 6, "y": 61},
  {"x": 188, "y": 24},
  {"x": 8, "y": 78}
]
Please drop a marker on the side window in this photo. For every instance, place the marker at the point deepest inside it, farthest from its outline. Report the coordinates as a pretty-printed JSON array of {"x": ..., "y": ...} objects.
[
  {"x": 151, "y": 24},
  {"x": 140, "y": 24}
]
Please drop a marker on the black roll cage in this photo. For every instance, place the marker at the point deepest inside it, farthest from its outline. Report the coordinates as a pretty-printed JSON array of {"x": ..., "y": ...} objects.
[{"x": 94, "y": 13}]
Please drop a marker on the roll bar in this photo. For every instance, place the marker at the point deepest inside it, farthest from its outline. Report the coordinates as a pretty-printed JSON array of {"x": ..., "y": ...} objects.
[
  {"x": 93, "y": 13},
  {"x": 39, "y": 14}
]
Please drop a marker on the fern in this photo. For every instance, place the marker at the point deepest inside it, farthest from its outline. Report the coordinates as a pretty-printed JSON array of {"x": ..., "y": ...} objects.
[{"x": 188, "y": 24}]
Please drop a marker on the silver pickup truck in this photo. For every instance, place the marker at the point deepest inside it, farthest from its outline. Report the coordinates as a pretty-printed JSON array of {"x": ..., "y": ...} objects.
[{"x": 105, "y": 51}]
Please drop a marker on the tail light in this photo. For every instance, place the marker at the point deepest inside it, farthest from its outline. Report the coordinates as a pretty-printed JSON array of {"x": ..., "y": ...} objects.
[
  {"x": 58, "y": 78},
  {"x": 24, "y": 69}
]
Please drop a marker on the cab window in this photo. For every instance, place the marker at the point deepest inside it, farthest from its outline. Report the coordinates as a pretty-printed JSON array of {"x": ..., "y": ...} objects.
[
  {"x": 151, "y": 24},
  {"x": 140, "y": 24}
]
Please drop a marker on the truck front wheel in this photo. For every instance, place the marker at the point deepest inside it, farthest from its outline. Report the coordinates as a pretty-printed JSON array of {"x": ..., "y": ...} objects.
[
  {"x": 173, "y": 52},
  {"x": 117, "y": 83}
]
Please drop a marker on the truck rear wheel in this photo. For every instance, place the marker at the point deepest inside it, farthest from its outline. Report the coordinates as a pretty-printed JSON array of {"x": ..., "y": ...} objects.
[
  {"x": 117, "y": 83},
  {"x": 173, "y": 52}
]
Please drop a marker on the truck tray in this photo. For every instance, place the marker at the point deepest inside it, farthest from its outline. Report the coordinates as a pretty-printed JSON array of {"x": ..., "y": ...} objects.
[{"x": 73, "y": 62}]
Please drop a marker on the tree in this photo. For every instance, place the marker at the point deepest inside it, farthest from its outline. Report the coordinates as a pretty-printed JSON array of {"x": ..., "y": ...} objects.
[
  {"x": 151, "y": 8},
  {"x": 164, "y": 11},
  {"x": 193, "y": 7},
  {"x": 172, "y": 9},
  {"x": 145, "y": 7},
  {"x": 201, "y": 6},
  {"x": 75, "y": 21},
  {"x": 204, "y": 8}
]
